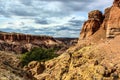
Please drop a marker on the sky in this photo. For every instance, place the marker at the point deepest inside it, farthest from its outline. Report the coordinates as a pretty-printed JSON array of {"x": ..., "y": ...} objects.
[{"x": 57, "y": 18}]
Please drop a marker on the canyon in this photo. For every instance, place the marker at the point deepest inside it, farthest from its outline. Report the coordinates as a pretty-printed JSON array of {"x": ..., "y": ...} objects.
[
  {"x": 94, "y": 57},
  {"x": 13, "y": 45}
]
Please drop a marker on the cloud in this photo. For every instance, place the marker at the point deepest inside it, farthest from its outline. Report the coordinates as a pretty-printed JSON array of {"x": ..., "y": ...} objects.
[
  {"x": 41, "y": 21},
  {"x": 26, "y": 2},
  {"x": 49, "y": 17}
]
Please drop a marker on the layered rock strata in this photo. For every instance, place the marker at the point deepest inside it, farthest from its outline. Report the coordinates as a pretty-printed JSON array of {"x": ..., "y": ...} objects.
[
  {"x": 21, "y": 43},
  {"x": 23, "y": 37}
]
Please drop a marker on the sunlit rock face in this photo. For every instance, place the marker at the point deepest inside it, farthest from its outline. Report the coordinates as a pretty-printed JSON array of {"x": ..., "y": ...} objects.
[
  {"x": 93, "y": 23},
  {"x": 113, "y": 21},
  {"x": 108, "y": 23}
]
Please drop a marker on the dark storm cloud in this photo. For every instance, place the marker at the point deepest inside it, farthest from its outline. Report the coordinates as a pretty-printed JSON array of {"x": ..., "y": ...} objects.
[
  {"x": 74, "y": 22},
  {"x": 26, "y": 2},
  {"x": 69, "y": 28},
  {"x": 41, "y": 21}
]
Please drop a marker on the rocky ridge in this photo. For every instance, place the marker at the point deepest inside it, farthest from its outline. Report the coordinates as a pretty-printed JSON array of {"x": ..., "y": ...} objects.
[{"x": 23, "y": 37}]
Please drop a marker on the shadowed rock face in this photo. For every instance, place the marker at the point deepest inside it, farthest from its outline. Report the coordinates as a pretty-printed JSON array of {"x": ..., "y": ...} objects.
[
  {"x": 95, "y": 15},
  {"x": 116, "y": 3}
]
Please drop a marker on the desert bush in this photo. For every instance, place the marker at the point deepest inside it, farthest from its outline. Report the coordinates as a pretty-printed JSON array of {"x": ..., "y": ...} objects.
[{"x": 37, "y": 54}]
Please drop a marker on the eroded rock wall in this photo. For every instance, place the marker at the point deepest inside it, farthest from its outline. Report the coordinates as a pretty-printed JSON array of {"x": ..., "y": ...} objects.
[
  {"x": 21, "y": 43},
  {"x": 113, "y": 22},
  {"x": 22, "y": 37}
]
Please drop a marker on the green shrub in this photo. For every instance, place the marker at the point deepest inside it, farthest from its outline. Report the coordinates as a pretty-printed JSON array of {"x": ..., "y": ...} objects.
[{"x": 37, "y": 54}]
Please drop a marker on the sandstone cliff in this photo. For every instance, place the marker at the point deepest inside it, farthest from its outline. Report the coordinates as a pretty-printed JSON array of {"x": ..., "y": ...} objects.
[
  {"x": 89, "y": 61},
  {"x": 100, "y": 25},
  {"x": 93, "y": 23},
  {"x": 23, "y": 37}
]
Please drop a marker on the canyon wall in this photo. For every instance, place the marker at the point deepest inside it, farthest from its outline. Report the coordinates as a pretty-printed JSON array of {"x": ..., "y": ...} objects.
[
  {"x": 23, "y": 37},
  {"x": 21, "y": 43}
]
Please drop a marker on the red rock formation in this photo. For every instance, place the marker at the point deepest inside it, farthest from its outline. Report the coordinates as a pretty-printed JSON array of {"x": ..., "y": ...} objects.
[
  {"x": 93, "y": 23},
  {"x": 113, "y": 21},
  {"x": 100, "y": 26},
  {"x": 116, "y": 3}
]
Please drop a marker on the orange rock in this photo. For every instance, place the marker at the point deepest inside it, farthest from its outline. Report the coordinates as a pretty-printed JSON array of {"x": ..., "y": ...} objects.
[
  {"x": 99, "y": 25},
  {"x": 116, "y": 3},
  {"x": 113, "y": 22},
  {"x": 93, "y": 23}
]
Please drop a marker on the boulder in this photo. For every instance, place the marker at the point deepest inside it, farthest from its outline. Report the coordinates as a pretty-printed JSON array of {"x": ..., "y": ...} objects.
[{"x": 34, "y": 68}]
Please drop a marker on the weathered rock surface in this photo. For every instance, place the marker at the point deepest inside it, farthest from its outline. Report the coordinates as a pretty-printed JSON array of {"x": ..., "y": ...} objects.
[
  {"x": 34, "y": 68},
  {"x": 113, "y": 22},
  {"x": 93, "y": 62},
  {"x": 9, "y": 69}
]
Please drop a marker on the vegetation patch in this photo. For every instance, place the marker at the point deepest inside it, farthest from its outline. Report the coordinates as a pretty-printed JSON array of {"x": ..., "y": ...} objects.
[{"x": 38, "y": 54}]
